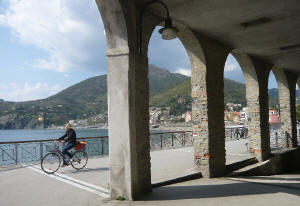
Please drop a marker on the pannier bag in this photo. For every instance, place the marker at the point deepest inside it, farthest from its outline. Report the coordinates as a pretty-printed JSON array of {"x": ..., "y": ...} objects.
[{"x": 80, "y": 145}]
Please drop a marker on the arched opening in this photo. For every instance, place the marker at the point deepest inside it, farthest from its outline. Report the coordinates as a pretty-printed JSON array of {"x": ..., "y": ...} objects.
[
  {"x": 51, "y": 76},
  {"x": 236, "y": 112},
  {"x": 170, "y": 109},
  {"x": 274, "y": 113}
]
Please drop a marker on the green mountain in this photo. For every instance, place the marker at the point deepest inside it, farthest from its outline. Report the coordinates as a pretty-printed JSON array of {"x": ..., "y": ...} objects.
[
  {"x": 87, "y": 100},
  {"x": 160, "y": 79},
  {"x": 235, "y": 92},
  {"x": 274, "y": 97},
  {"x": 83, "y": 100}
]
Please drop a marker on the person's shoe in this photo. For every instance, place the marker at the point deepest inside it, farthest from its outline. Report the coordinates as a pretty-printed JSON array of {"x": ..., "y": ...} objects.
[{"x": 65, "y": 164}]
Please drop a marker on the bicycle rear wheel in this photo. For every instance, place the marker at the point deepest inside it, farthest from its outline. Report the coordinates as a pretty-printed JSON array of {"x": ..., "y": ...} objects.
[
  {"x": 79, "y": 159},
  {"x": 50, "y": 163}
]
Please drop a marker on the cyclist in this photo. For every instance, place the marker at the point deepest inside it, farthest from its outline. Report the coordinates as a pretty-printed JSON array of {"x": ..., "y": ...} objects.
[{"x": 71, "y": 142}]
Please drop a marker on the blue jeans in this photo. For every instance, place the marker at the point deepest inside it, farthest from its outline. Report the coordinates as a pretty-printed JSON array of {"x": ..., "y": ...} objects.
[{"x": 65, "y": 151}]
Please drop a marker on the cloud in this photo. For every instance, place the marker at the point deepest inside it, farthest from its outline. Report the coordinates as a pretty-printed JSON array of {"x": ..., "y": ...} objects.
[
  {"x": 183, "y": 71},
  {"x": 26, "y": 91},
  {"x": 230, "y": 67},
  {"x": 169, "y": 54},
  {"x": 69, "y": 31}
]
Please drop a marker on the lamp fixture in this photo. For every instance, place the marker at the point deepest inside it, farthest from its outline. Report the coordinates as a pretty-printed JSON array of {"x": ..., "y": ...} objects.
[{"x": 168, "y": 32}]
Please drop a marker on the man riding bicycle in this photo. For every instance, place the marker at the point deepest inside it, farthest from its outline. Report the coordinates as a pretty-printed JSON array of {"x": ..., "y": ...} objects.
[{"x": 71, "y": 142}]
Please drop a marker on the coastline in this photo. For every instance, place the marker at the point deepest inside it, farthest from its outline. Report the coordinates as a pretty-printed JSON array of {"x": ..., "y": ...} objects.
[{"x": 171, "y": 127}]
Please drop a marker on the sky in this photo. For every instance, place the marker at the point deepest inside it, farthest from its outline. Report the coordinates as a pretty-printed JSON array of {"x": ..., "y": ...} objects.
[{"x": 47, "y": 46}]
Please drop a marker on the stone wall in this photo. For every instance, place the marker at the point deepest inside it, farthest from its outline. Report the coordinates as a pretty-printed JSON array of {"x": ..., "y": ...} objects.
[
  {"x": 261, "y": 145},
  {"x": 285, "y": 104},
  {"x": 128, "y": 99}
]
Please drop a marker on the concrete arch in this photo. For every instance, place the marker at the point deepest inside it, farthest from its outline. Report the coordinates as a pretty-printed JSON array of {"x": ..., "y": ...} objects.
[
  {"x": 207, "y": 90},
  {"x": 298, "y": 82},
  {"x": 257, "y": 143},
  {"x": 185, "y": 35},
  {"x": 115, "y": 25},
  {"x": 248, "y": 71},
  {"x": 127, "y": 101},
  {"x": 286, "y": 88}
]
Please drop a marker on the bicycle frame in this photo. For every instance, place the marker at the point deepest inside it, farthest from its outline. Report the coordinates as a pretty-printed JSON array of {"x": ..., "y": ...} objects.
[{"x": 57, "y": 150}]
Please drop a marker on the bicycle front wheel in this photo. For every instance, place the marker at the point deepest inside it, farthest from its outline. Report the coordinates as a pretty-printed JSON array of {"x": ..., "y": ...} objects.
[
  {"x": 50, "y": 163},
  {"x": 79, "y": 160}
]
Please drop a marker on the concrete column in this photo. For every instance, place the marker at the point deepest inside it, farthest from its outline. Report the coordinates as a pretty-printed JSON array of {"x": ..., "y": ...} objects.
[
  {"x": 259, "y": 141},
  {"x": 285, "y": 106},
  {"x": 207, "y": 59},
  {"x": 292, "y": 81},
  {"x": 128, "y": 98},
  {"x": 208, "y": 109},
  {"x": 256, "y": 86}
]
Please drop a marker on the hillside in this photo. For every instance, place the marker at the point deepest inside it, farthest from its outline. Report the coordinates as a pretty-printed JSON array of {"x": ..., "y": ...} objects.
[
  {"x": 83, "y": 100},
  {"x": 87, "y": 100},
  {"x": 160, "y": 79},
  {"x": 234, "y": 92}
]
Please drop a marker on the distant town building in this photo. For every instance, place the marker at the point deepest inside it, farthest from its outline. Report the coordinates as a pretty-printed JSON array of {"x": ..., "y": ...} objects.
[
  {"x": 232, "y": 116},
  {"x": 274, "y": 117},
  {"x": 181, "y": 100},
  {"x": 233, "y": 107},
  {"x": 188, "y": 117},
  {"x": 244, "y": 114}
]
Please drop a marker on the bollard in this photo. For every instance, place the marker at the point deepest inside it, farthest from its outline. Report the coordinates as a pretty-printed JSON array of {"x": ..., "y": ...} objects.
[
  {"x": 276, "y": 139},
  {"x": 41, "y": 150},
  {"x": 16, "y": 148},
  {"x": 102, "y": 146},
  {"x": 172, "y": 140},
  {"x": 287, "y": 139},
  {"x": 161, "y": 141}
]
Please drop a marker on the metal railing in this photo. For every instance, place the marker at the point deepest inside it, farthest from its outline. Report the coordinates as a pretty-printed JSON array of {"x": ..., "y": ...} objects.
[
  {"x": 165, "y": 140},
  {"x": 33, "y": 150},
  {"x": 233, "y": 133},
  {"x": 280, "y": 140}
]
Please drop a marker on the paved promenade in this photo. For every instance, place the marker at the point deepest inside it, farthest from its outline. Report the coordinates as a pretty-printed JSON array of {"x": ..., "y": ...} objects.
[
  {"x": 28, "y": 185},
  {"x": 259, "y": 191}
]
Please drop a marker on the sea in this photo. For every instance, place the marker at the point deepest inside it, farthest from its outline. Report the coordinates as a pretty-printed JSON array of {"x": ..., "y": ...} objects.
[
  {"x": 34, "y": 151},
  {"x": 34, "y": 134}
]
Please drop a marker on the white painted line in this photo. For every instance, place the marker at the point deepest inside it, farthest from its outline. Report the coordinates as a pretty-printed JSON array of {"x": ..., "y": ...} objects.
[
  {"x": 77, "y": 183},
  {"x": 83, "y": 183}
]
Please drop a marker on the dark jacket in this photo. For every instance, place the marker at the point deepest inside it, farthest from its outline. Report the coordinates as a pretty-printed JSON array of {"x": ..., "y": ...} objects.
[{"x": 71, "y": 136}]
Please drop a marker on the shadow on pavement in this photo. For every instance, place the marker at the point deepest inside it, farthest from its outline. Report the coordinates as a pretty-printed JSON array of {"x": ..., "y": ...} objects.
[
  {"x": 214, "y": 191},
  {"x": 273, "y": 178},
  {"x": 89, "y": 170}
]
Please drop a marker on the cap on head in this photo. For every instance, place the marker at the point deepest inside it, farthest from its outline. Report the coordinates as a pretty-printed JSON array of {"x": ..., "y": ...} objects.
[{"x": 68, "y": 126}]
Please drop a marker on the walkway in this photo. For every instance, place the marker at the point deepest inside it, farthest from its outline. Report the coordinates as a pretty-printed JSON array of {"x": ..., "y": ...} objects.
[
  {"x": 259, "y": 191},
  {"x": 28, "y": 185}
]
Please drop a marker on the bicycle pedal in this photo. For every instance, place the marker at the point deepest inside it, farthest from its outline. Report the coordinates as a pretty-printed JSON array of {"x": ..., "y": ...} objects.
[{"x": 65, "y": 164}]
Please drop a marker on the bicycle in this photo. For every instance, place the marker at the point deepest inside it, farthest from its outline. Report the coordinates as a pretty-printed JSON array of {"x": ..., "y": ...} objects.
[{"x": 52, "y": 161}]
